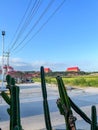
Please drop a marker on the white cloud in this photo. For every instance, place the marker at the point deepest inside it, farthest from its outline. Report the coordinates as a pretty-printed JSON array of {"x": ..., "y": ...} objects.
[
  {"x": 55, "y": 66},
  {"x": 19, "y": 64}
]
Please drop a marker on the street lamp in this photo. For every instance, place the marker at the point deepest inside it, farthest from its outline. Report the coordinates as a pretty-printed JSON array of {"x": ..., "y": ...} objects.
[{"x": 3, "y": 34}]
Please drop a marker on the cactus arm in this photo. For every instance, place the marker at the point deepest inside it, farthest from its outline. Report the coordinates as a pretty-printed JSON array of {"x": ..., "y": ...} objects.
[
  {"x": 78, "y": 110},
  {"x": 13, "y": 101},
  {"x": 94, "y": 118},
  {"x": 6, "y": 97},
  {"x": 65, "y": 106},
  {"x": 15, "y": 106},
  {"x": 45, "y": 102},
  {"x": 63, "y": 92}
]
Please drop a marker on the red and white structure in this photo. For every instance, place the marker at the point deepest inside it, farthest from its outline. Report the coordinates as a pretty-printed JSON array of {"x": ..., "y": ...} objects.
[
  {"x": 7, "y": 69},
  {"x": 73, "y": 69},
  {"x": 47, "y": 70}
]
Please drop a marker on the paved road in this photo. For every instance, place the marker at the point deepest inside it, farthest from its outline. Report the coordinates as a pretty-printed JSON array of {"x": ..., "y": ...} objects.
[{"x": 31, "y": 106}]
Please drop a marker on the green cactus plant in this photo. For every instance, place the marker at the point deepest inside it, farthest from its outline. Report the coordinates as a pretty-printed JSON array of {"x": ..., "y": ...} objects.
[
  {"x": 64, "y": 105},
  {"x": 13, "y": 101},
  {"x": 79, "y": 111},
  {"x": 94, "y": 118},
  {"x": 45, "y": 102},
  {"x": 6, "y": 97}
]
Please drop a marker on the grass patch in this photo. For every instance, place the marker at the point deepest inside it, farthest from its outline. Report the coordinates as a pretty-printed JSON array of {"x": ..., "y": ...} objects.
[{"x": 81, "y": 81}]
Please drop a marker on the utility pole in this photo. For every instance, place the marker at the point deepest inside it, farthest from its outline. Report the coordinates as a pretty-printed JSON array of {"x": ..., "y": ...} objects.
[
  {"x": 7, "y": 55},
  {"x": 8, "y": 59},
  {"x": 3, "y": 34}
]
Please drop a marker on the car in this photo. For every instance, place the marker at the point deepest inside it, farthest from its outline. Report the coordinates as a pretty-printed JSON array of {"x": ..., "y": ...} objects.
[{"x": 29, "y": 81}]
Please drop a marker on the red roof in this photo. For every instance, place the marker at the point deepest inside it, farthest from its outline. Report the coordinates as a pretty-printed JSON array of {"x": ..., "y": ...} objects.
[
  {"x": 73, "y": 69},
  {"x": 9, "y": 67},
  {"x": 47, "y": 69}
]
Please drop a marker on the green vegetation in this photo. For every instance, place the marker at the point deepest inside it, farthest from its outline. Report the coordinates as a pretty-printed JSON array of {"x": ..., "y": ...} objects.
[{"x": 82, "y": 81}]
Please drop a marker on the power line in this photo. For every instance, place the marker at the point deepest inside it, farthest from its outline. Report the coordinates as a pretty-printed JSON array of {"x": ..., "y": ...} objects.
[
  {"x": 20, "y": 24},
  {"x": 28, "y": 20},
  {"x": 31, "y": 16},
  {"x": 42, "y": 25},
  {"x": 41, "y": 16}
]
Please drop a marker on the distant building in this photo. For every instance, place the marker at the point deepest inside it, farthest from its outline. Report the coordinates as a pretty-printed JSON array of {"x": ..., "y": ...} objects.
[
  {"x": 8, "y": 69},
  {"x": 73, "y": 69},
  {"x": 47, "y": 70}
]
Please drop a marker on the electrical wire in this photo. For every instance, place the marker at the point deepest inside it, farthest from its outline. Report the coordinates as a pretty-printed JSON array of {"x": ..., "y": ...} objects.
[
  {"x": 28, "y": 20},
  {"x": 42, "y": 25},
  {"x": 26, "y": 23},
  {"x": 31, "y": 16},
  {"x": 19, "y": 25},
  {"x": 41, "y": 16}
]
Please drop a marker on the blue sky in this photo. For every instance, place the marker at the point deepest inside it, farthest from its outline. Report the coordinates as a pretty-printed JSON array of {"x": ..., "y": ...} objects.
[{"x": 70, "y": 38}]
